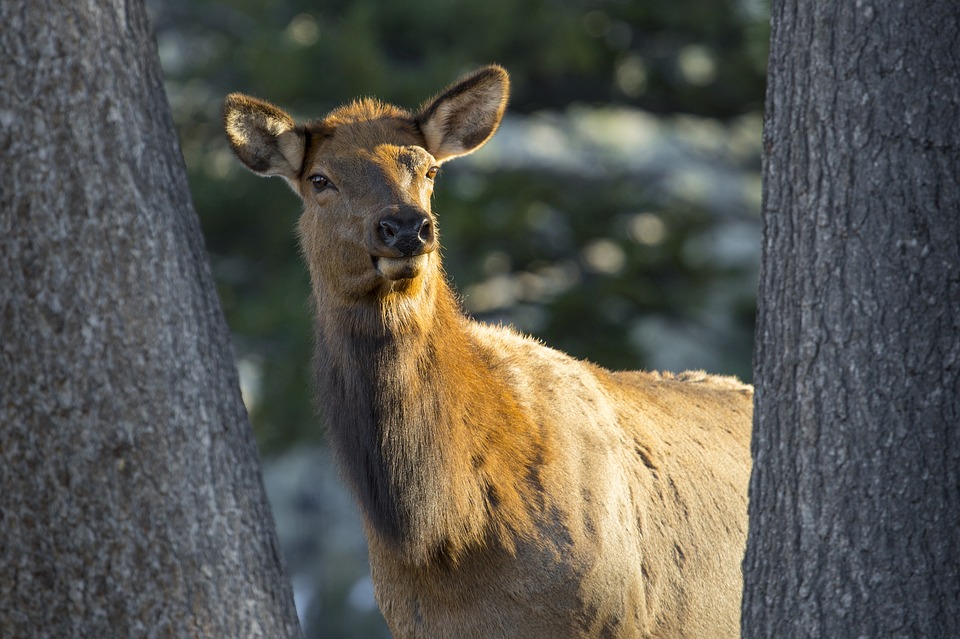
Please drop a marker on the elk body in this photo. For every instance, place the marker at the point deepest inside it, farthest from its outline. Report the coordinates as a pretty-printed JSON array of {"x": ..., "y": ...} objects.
[{"x": 506, "y": 489}]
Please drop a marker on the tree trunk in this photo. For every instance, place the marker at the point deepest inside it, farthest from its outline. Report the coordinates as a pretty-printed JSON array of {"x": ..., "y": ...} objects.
[
  {"x": 131, "y": 501},
  {"x": 855, "y": 494}
]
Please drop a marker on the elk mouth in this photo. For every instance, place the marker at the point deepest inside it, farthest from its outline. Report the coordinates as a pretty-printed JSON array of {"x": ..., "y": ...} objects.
[{"x": 401, "y": 268}]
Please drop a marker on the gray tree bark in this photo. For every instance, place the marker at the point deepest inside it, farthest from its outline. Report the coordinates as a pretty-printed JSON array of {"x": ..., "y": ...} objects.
[
  {"x": 855, "y": 494},
  {"x": 131, "y": 501}
]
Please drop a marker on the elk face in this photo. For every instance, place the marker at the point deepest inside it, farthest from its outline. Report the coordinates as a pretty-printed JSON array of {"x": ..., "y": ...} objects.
[
  {"x": 366, "y": 188},
  {"x": 365, "y": 173}
]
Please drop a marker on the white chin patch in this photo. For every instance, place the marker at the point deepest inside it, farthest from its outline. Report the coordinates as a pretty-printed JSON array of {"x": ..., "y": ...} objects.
[{"x": 402, "y": 268}]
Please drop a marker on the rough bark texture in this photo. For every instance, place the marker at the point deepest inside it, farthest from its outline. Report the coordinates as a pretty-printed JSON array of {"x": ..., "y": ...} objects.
[
  {"x": 131, "y": 501},
  {"x": 855, "y": 495}
]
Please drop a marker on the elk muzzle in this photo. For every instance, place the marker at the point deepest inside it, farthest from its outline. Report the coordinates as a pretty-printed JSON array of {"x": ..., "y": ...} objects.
[
  {"x": 401, "y": 241},
  {"x": 410, "y": 235}
]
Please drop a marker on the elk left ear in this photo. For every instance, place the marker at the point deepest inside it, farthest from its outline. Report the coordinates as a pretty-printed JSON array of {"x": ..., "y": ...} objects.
[{"x": 465, "y": 115}]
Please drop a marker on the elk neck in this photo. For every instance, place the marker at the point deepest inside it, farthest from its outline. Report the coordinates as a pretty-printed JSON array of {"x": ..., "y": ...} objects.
[{"x": 420, "y": 421}]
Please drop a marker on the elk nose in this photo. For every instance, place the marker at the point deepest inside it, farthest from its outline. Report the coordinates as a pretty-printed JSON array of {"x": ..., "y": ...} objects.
[{"x": 408, "y": 236}]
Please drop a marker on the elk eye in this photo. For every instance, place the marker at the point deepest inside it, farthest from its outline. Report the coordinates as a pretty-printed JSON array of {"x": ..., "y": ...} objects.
[
  {"x": 433, "y": 172},
  {"x": 320, "y": 182}
]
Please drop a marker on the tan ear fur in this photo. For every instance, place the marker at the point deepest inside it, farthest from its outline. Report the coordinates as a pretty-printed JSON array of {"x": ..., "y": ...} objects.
[
  {"x": 466, "y": 114},
  {"x": 263, "y": 136}
]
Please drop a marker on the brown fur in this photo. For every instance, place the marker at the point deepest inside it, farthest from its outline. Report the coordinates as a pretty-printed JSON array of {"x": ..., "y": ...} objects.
[{"x": 507, "y": 489}]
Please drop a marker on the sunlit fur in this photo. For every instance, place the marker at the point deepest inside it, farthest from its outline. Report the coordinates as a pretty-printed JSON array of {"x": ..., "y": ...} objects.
[{"x": 507, "y": 489}]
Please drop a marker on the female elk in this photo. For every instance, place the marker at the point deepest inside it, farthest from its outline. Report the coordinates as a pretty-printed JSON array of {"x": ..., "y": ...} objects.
[{"x": 506, "y": 489}]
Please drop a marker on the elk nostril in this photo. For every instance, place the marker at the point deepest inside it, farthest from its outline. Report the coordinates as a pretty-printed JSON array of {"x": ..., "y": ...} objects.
[
  {"x": 389, "y": 229},
  {"x": 426, "y": 231}
]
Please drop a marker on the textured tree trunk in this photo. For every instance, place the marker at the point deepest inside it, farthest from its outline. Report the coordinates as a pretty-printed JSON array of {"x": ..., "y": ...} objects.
[
  {"x": 131, "y": 500},
  {"x": 855, "y": 495}
]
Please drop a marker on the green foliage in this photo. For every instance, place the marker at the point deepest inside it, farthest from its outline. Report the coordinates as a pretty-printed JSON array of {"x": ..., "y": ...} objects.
[{"x": 688, "y": 56}]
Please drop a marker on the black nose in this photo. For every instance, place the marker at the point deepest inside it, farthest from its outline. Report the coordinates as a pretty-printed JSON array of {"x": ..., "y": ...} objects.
[{"x": 407, "y": 235}]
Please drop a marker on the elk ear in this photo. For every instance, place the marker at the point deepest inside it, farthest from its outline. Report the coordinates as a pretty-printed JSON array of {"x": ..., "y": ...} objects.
[
  {"x": 264, "y": 137},
  {"x": 464, "y": 116}
]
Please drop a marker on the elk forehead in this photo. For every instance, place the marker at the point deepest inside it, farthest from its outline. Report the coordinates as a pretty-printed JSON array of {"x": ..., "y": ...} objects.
[{"x": 363, "y": 126}]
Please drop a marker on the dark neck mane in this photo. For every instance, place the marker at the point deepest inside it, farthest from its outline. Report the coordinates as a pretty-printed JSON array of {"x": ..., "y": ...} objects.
[{"x": 415, "y": 410}]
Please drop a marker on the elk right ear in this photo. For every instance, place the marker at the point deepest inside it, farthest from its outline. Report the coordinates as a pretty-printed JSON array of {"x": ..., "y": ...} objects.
[{"x": 263, "y": 136}]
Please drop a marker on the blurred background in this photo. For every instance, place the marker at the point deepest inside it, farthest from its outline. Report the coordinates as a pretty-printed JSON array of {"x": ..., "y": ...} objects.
[{"x": 615, "y": 215}]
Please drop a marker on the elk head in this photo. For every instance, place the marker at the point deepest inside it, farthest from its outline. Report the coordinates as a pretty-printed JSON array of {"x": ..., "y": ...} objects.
[{"x": 365, "y": 173}]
